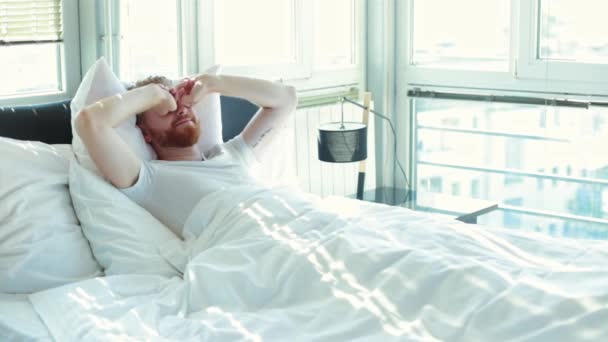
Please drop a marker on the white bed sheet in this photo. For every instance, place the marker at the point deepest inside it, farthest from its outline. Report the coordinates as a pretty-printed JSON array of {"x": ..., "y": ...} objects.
[
  {"x": 267, "y": 266},
  {"x": 19, "y": 321}
]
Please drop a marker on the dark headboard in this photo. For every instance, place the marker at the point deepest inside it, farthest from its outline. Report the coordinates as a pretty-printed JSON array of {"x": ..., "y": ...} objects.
[{"x": 50, "y": 122}]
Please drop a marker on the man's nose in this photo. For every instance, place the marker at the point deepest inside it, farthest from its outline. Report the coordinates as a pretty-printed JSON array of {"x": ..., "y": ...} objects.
[{"x": 181, "y": 109}]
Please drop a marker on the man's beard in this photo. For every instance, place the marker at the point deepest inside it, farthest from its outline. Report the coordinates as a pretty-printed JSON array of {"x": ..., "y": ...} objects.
[{"x": 179, "y": 136}]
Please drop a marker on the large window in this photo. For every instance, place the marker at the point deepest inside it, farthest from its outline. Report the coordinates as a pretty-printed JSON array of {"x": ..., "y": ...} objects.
[
  {"x": 525, "y": 133},
  {"x": 564, "y": 40},
  {"x": 30, "y": 69},
  {"x": 335, "y": 33},
  {"x": 261, "y": 38},
  {"x": 465, "y": 45},
  {"x": 546, "y": 166},
  {"x": 569, "y": 31},
  {"x": 291, "y": 40},
  {"x": 150, "y": 39},
  {"x": 255, "y": 32},
  {"x": 311, "y": 44},
  {"x": 34, "y": 50},
  {"x": 551, "y": 46}
]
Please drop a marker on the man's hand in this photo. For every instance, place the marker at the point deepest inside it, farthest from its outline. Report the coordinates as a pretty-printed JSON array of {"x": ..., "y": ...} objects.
[
  {"x": 192, "y": 91},
  {"x": 168, "y": 102}
]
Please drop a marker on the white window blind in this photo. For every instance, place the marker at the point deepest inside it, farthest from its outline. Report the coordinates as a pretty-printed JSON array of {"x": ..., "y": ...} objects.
[{"x": 27, "y": 22}]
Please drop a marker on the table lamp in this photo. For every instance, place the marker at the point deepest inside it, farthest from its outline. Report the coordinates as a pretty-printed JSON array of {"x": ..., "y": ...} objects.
[{"x": 346, "y": 142}]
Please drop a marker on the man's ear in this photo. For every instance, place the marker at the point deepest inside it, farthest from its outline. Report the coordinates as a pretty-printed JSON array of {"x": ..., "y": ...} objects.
[{"x": 144, "y": 132}]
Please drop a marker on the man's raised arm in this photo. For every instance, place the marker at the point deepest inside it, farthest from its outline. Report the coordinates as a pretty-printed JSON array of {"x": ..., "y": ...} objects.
[
  {"x": 95, "y": 125},
  {"x": 276, "y": 100}
]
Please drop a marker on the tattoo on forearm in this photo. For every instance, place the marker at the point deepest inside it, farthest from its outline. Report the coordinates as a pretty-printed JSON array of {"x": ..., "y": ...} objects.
[{"x": 262, "y": 137}]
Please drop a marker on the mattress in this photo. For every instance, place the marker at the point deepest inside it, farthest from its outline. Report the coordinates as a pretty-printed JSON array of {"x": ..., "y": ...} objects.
[{"x": 19, "y": 321}]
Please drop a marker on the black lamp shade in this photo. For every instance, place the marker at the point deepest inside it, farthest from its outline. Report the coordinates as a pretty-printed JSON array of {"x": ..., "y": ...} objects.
[{"x": 342, "y": 142}]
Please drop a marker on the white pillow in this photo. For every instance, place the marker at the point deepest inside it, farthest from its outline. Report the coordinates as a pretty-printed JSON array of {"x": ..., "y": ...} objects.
[
  {"x": 100, "y": 82},
  {"x": 124, "y": 237},
  {"x": 41, "y": 244}
]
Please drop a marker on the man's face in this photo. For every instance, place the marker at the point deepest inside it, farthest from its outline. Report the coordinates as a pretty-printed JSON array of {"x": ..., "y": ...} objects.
[{"x": 175, "y": 129}]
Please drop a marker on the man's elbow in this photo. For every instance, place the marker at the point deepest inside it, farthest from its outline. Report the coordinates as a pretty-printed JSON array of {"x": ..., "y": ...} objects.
[
  {"x": 82, "y": 121},
  {"x": 85, "y": 122}
]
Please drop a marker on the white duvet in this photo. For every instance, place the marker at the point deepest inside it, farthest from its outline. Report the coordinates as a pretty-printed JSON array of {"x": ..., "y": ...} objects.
[{"x": 269, "y": 265}]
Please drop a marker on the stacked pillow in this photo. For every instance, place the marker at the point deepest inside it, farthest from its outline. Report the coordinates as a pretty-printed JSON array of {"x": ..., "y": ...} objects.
[{"x": 41, "y": 243}]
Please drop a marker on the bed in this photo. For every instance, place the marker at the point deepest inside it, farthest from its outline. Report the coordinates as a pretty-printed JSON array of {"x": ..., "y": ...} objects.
[
  {"x": 284, "y": 265},
  {"x": 19, "y": 321}
]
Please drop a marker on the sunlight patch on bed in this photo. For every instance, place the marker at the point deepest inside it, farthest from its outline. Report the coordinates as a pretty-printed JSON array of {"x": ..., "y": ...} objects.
[
  {"x": 28, "y": 146},
  {"x": 509, "y": 251},
  {"x": 54, "y": 151},
  {"x": 479, "y": 282},
  {"x": 591, "y": 334},
  {"x": 591, "y": 304},
  {"x": 147, "y": 328},
  {"x": 546, "y": 288},
  {"x": 291, "y": 210},
  {"x": 236, "y": 324},
  {"x": 107, "y": 325},
  {"x": 526, "y": 305},
  {"x": 344, "y": 284},
  {"x": 286, "y": 205},
  {"x": 85, "y": 300},
  {"x": 259, "y": 208}
]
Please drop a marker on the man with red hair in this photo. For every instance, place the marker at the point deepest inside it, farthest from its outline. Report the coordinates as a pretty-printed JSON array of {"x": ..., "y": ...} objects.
[{"x": 170, "y": 187}]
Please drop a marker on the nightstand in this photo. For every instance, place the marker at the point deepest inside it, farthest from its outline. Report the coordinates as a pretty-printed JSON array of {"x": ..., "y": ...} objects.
[{"x": 461, "y": 208}]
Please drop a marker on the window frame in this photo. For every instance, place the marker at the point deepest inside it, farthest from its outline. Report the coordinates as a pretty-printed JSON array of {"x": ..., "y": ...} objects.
[
  {"x": 69, "y": 50},
  {"x": 529, "y": 65},
  {"x": 523, "y": 75},
  {"x": 300, "y": 68},
  {"x": 86, "y": 41},
  {"x": 514, "y": 82},
  {"x": 358, "y": 24},
  {"x": 303, "y": 74},
  {"x": 197, "y": 39},
  {"x": 112, "y": 21},
  {"x": 323, "y": 77}
]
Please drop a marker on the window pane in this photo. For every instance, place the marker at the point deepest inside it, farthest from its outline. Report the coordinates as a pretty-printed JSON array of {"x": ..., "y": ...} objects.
[
  {"x": 574, "y": 30},
  {"x": 334, "y": 33},
  {"x": 29, "y": 68},
  {"x": 466, "y": 34},
  {"x": 254, "y": 32},
  {"x": 150, "y": 44},
  {"x": 548, "y": 160}
]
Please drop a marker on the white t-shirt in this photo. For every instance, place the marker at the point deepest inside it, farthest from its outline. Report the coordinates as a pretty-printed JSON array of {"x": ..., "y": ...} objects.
[{"x": 169, "y": 190}]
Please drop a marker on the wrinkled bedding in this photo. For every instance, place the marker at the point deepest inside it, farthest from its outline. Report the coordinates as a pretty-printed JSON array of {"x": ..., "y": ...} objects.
[
  {"x": 273, "y": 265},
  {"x": 19, "y": 321}
]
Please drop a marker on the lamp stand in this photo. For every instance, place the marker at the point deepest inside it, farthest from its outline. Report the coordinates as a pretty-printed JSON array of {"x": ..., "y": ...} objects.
[{"x": 367, "y": 98}]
